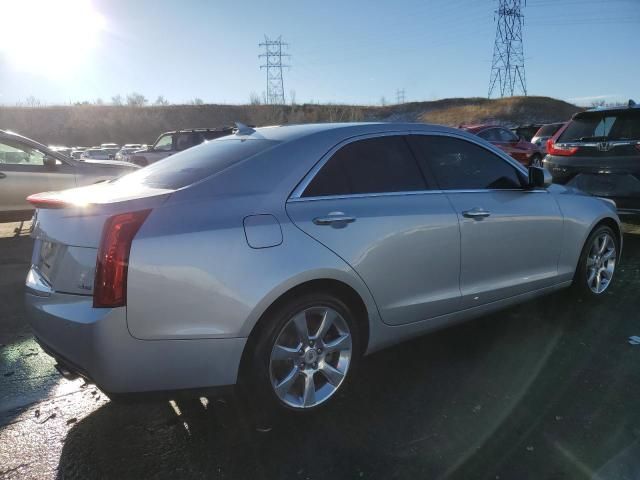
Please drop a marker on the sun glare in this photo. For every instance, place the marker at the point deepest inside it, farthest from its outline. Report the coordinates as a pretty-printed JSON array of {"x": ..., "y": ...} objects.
[{"x": 49, "y": 37}]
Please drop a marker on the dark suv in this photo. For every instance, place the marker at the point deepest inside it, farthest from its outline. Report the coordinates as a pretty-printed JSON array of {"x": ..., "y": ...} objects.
[
  {"x": 598, "y": 151},
  {"x": 172, "y": 142}
]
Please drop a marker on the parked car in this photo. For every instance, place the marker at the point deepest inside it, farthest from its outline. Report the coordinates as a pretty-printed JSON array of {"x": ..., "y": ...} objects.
[
  {"x": 110, "y": 146},
  {"x": 76, "y": 152},
  {"x": 66, "y": 151},
  {"x": 172, "y": 142},
  {"x": 526, "y": 131},
  {"x": 598, "y": 151},
  {"x": 99, "y": 153},
  {"x": 277, "y": 257},
  {"x": 27, "y": 167},
  {"x": 128, "y": 149},
  {"x": 544, "y": 133},
  {"x": 523, "y": 151}
]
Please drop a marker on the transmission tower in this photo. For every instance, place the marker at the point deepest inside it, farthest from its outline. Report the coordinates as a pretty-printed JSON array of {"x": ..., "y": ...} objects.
[
  {"x": 400, "y": 96},
  {"x": 507, "y": 68},
  {"x": 273, "y": 65}
]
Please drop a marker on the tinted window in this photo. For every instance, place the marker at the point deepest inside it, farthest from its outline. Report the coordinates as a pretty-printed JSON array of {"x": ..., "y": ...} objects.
[
  {"x": 490, "y": 135},
  {"x": 603, "y": 125},
  {"x": 548, "y": 130},
  {"x": 461, "y": 165},
  {"x": 507, "y": 135},
  {"x": 187, "y": 140},
  {"x": 189, "y": 166},
  {"x": 375, "y": 165}
]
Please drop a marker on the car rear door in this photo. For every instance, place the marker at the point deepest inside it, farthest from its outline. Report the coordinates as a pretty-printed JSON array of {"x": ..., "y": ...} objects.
[
  {"x": 368, "y": 202},
  {"x": 23, "y": 172},
  {"x": 510, "y": 235}
]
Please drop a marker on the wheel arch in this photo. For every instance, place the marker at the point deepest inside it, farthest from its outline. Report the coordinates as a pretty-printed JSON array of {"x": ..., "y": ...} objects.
[{"x": 340, "y": 289}]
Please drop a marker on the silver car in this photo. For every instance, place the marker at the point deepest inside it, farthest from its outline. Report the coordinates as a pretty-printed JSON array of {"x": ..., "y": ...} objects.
[
  {"x": 277, "y": 257},
  {"x": 28, "y": 167}
]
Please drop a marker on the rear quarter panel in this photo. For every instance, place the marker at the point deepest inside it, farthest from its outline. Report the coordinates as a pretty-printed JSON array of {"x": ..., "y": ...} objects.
[{"x": 192, "y": 273}]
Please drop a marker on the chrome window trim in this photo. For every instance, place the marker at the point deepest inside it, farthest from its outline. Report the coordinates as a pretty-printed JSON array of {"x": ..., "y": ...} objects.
[{"x": 296, "y": 195}]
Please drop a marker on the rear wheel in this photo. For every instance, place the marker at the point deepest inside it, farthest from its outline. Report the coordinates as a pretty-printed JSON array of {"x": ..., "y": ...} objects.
[
  {"x": 306, "y": 353},
  {"x": 536, "y": 160},
  {"x": 597, "y": 263}
]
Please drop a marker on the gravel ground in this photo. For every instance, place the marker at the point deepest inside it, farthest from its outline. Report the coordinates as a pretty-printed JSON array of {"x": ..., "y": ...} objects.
[{"x": 546, "y": 390}]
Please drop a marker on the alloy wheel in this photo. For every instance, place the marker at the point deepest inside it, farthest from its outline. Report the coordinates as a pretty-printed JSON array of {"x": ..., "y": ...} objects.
[
  {"x": 311, "y": 357},
  {"x": 601, "y": 263}
]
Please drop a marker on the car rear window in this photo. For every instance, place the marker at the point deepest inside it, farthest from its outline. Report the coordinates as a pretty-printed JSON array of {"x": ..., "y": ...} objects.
[
  {"x": 189, "y": 166},
  {"x": 600, "y": 126},
  {"x": 548, "y": 130}
]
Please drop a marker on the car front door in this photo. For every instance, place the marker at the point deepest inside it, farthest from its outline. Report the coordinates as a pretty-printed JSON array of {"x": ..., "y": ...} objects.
[
  {"x": 23, "y": 172},
  {"x": 371, "y": 205},
  {"x": 510, "y": 234}
]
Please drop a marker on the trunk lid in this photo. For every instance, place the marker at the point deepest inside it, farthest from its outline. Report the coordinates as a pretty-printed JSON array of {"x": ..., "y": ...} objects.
[{"x": 67, "y": 229}]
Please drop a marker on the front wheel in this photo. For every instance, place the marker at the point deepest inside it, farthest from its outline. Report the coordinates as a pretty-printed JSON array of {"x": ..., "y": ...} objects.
[
  {"x": 597, "y": 263},
  {"x": 306, "y": 353}
]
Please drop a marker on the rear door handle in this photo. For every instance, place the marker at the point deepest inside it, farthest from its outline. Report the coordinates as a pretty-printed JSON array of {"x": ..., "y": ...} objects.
[
  {"x": 476, "y": 213},
  {"x": 334, "y": 218}
]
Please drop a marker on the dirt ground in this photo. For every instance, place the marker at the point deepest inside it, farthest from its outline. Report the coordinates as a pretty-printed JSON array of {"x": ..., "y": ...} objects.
[{"x": 546, "y": 390}]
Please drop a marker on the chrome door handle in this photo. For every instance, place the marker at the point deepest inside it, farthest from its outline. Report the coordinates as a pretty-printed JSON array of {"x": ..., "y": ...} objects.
[
  {"x": 476, "y": 213},
  {"x": 334, "y": 217}
]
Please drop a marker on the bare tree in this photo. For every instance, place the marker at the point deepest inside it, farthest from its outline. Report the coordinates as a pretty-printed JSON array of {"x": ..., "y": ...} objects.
[
  {"x": 161, "y": 101},
  {"x": 32, "y": 102},
  {"x": 383, "y": 101},
  {"x": 254, "y": 99},
  {"x": 116, "y": 100},
  {"x": 292, "y": 96},
  {"x": 135, "y": 99},
  {"x": 197, "y": 101},
  {"x": 99, "y": 102},
  {"x": 598, "y": 103}
]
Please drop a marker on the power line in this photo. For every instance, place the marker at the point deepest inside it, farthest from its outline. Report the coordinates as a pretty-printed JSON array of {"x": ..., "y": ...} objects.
[
  {"x": 400, "y": 96},
  {"x": 273, "y": 65},
  {"x": 507, "y": 67}
]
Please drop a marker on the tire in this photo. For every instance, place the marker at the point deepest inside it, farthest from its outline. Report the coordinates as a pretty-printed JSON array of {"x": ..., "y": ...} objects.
[
  {"x": 536, "y": 161},
  {"x": 288, "y": 371},
  {"x": 598, "y": 260}
]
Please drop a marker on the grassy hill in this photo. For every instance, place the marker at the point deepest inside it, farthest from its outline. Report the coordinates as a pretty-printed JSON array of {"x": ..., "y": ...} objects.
[{"x": 93, "y": 124}]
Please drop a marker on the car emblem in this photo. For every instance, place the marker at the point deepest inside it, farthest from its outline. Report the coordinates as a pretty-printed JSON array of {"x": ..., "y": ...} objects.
[{"x": 604, "y": 146}]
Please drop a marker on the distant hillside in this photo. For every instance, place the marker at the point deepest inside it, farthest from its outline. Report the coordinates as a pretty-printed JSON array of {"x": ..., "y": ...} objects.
[{"x": 93, "y": 124}]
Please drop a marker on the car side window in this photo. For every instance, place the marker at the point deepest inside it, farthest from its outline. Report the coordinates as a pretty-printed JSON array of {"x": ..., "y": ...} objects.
[
  {"x": 164, "y": 143},
  {"x": 507, "y": 135},
  {"x": 373, "y": 165},
  {"x": 188, "y": 140},
  {"x": 490, "y": 135},
  {"x": 17, "y": 154},
  {"x": 459, "y": 164}
]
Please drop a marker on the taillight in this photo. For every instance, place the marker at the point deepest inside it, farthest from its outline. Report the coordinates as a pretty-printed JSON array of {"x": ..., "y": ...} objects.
[
  {"x": 554, "y": 149},
  {"x": 110, "y": 286}
]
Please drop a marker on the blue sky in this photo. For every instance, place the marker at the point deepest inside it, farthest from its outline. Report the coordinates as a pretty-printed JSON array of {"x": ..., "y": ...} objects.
[{"x": 352, "y": 51}]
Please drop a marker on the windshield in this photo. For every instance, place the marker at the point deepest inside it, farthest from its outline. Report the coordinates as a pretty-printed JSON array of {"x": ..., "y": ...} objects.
[
  {"x": 601, "y": 126},
  {"x": 196, "y": 163}
]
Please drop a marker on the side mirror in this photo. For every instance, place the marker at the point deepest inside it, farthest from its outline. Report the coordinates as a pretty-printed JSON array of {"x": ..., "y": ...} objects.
[
  {"x": 49, "y": 162},
  {"x": 539, "y": 177}
]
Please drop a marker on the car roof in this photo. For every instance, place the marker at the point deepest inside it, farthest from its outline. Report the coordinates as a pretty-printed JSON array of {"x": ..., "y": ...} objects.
[{"x": 479, "y": 127}]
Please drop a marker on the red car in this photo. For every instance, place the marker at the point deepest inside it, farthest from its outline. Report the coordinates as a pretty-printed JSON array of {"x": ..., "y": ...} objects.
[{"x": 524, "y": 152}]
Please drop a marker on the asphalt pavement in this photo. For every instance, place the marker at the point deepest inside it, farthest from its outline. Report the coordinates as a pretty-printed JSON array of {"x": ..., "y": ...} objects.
[{"x": 546, "y": 390}]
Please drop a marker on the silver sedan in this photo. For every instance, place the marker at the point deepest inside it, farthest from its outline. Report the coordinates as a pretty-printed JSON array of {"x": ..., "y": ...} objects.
[{"x": 277, "y": 257}]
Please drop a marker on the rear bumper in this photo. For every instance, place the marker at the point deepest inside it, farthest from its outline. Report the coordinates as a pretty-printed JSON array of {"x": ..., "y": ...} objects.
[{"x": 96, "y": 344}]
